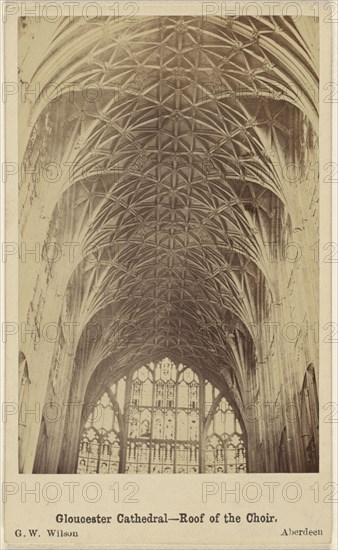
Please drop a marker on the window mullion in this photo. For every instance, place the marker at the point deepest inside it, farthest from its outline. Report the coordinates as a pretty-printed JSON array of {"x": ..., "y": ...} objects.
[
  {"x": 101, "y": 436},
  {"x": 202, "y": 435},
  {"x": 176, "y": 421},
  {"x": 152, "y": 414},
  {"x": 124, "y": 432}
]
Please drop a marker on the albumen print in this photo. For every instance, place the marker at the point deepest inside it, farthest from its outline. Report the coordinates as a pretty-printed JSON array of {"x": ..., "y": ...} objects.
[{"x": 169, "y": 262}]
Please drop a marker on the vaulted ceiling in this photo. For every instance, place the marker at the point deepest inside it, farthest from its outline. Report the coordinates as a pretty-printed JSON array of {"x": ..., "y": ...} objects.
[{"x": 176, "y": 129}]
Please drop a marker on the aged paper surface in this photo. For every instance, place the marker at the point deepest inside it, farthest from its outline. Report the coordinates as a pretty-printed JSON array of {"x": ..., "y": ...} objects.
[{"x": 168, "y": 257}]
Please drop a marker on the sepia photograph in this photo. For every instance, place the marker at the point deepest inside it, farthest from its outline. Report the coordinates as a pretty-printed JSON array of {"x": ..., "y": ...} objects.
[
  {"x": 169, "y": 251},
  {"x": 168, "y": 237}
]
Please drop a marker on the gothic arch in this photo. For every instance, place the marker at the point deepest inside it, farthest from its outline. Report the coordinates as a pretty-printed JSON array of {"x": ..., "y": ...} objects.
[{"x": 162, "y": 418}]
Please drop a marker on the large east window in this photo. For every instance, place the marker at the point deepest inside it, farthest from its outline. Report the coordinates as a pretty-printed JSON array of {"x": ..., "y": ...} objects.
[{"x": 160, "y": 419}]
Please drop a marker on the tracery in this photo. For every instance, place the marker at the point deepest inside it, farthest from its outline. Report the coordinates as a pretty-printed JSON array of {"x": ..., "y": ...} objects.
[{"x": 162, "y": 418}]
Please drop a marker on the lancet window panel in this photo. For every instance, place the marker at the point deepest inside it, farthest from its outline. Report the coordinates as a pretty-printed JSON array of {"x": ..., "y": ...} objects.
[
  {"x": 24, "y": 386},
  {"x": 310, "y": 420},
  {"x": 152, "y": 421},
  {"x": 284, "y": 465},
  {"x": 100, "y": 446},
  {"x": 166, "y": 413},
  {"x": 225, "y": 448}
]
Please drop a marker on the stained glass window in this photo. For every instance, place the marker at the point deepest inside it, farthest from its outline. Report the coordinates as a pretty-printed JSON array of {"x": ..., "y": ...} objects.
[{"x": 151, "y": 422}]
